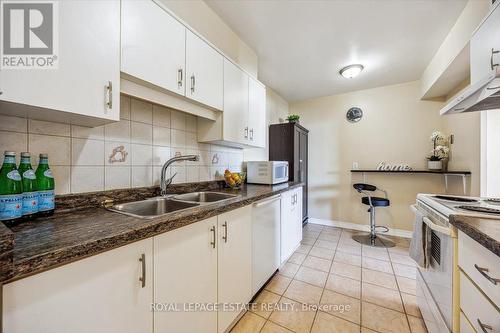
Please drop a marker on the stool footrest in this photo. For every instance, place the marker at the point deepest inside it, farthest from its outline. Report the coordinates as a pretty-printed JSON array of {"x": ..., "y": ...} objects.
[{"x": 386, "y": 229}]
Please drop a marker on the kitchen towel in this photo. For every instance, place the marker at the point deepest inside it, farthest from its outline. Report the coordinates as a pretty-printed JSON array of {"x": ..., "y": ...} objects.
[{"x": 420, "y": 241}]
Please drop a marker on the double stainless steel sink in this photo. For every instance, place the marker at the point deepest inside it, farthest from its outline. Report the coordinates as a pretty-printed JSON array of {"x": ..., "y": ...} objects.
[{"x": 154, "y": 207}]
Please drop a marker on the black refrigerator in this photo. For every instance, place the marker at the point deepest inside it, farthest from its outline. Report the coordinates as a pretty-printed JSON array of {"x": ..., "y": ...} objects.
[{"x": 288, "y": 142}]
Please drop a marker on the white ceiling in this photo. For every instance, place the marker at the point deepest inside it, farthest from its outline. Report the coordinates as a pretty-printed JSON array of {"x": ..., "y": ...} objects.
[{"x": 303, "y": 44}]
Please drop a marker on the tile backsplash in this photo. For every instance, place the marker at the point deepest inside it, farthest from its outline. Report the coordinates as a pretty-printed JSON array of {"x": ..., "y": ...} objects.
[{"x": 128, "y": 153}]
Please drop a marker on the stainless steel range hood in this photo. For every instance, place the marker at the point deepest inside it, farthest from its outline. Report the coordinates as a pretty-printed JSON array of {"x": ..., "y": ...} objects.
[{"x": 480, "y": 96}]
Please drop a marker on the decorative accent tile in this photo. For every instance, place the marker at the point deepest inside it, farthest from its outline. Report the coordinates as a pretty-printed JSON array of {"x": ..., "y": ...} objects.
[{"x": 118, "y": 155}]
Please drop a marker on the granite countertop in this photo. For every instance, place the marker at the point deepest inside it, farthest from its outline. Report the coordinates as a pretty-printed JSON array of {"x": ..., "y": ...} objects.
[
  {"x": 75, "y": 233},
  {"x": 485, "y": 231}
]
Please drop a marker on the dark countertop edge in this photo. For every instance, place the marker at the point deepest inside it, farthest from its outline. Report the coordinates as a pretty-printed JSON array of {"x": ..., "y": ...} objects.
[
  {"x": 67, "y": 255},
  {"x": 460, "y": 222}
]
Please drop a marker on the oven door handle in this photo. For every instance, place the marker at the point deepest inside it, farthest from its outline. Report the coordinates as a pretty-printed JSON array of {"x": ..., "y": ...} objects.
[{"x": 433, "y": 226}]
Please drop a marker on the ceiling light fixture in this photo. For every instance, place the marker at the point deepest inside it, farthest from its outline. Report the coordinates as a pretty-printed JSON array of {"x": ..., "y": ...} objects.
[{"x": 351, "y": 71}]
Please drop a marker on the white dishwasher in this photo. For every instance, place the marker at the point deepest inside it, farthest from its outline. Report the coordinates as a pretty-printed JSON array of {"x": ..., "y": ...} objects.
[{"x": 266, "y": 215}]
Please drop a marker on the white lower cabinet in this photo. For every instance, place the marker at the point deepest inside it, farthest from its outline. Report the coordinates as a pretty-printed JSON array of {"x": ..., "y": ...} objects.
[
  {"x": 235, "y": 262},
  {"x": 207, "y": 262},
  {"x": 101, "y": 294},
  {"x": 185, "y": 271},
  {"x": 154, "y": 285},
  {"x": 291, "y": 222}
]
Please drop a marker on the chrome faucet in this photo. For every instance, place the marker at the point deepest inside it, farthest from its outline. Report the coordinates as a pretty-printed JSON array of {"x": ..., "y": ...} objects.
[{"x": 164, "y": 183}]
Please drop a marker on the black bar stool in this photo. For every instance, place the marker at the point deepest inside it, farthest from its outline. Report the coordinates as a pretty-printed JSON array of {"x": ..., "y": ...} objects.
[{"x": 372, "y": 238}]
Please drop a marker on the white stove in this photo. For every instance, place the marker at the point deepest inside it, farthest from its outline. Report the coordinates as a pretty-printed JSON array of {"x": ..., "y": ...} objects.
[
  {"x": 471, "y": 206},
  {"x": 435, "y": 283}
]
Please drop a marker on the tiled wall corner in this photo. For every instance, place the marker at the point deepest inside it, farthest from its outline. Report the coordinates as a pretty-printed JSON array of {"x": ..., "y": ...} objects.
[{"x": 128, "y": 153}]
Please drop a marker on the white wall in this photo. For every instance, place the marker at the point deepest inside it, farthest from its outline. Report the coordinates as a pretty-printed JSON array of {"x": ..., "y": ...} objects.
[{"x": 395, "y": 128}]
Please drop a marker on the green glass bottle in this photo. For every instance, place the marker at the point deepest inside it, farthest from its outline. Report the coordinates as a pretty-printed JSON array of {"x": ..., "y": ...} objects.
[
  {"x": 11, "y": 189},
  {"x": 30, "y": 193},
  {"x": 45, "y": 185}
]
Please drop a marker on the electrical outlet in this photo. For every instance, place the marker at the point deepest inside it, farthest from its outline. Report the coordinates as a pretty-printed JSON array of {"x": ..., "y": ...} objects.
[{"x": 355, "y": 165}]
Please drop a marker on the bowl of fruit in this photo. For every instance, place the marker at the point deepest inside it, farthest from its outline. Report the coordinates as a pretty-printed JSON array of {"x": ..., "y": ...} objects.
[{"x": 234, "y": 179}]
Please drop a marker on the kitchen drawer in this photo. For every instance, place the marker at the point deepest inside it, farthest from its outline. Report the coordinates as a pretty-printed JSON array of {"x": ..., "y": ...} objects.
[
  {"x": 477, "y": 308},
  {"x": 465, "y": 326},
  {"x": 471, "y": 258}
]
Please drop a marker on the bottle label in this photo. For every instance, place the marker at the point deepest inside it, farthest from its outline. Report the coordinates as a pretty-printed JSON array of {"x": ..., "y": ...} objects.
[
  {"x": 44, "y": 161},
  {"x": 9, "y": 160},
  {"x": 48, "y": 173},
  {"x": 11, "y": 206},
  {"x": 14, "y": 175},
  {"x": 30, "y": 203},
  {"x": 29, "y": 174},
  {"x": 25, "y": 160},
  {"x": 45, "y": 200}
]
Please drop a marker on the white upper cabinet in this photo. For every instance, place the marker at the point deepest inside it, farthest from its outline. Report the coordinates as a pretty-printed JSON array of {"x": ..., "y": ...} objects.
[
  {"x": 204, "y": 72},
  {"x": 153, "y": 45},
  {"x": 86, "y": 84},
  {"x": 102, "y": 293},
  {"x": 235, "y": 127},
  {"x": 484, "y": 47},
  {"x": 243, "y": 122},
  {"x": 257, "y": 114}
]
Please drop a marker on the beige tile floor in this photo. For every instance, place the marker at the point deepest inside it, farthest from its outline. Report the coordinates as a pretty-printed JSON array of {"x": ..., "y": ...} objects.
[{"x": 348, "y": 287}]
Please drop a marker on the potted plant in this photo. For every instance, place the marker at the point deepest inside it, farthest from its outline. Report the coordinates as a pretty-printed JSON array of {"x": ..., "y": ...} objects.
[
  {"x": 293, "y": 118},
  {"x": 439, "y": 151}
]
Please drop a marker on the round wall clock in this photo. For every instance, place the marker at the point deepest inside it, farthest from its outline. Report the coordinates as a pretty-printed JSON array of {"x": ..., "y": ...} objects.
[{"x": 354, "y": 115}]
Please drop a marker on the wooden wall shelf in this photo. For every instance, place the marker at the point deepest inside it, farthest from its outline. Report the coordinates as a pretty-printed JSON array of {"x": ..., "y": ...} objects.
[{"x": 446, "y": 174}]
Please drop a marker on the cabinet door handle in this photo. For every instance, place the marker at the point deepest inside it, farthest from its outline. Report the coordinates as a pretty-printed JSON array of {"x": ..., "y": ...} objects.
[
  {"x": 493, "y": 52},
  {"x": 142, "y": 259},
  {"x": 193, "y": 83},
  {"x": 246, "y": 132},
  {"x": 483, "y": 272},
  {"x": 180, "y": 77},
  {"x": 225, "y": 232},
  {"x": 214, "y": 237},
  {"x": 109, "y": 93},
  {"x": 484, "y": 327},
  {"x": 251, "y": 134}
]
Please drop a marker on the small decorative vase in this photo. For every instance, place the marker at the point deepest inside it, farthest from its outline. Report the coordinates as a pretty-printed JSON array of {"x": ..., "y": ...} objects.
[
  {"x": 445, "y": 164},
  {"x": 435, "y": 165}
]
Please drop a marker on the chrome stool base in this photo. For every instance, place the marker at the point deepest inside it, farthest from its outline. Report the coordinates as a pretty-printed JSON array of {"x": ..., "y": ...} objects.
[{"x": 375, "y": 240}]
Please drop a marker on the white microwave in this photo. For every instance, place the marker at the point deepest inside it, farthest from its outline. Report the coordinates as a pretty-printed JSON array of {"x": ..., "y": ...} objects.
[{"x": 267, "y": 172}]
